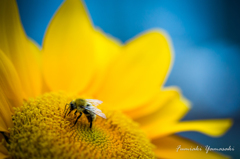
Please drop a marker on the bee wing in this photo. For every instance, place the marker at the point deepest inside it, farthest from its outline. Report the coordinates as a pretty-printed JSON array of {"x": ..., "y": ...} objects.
[
  {"x": 94, "y": 102},
  {"x": 96, "y": 111}
]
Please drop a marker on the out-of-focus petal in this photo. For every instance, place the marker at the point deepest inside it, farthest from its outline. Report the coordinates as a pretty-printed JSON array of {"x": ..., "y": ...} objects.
[
  {"x": 11, "y": 94},
  {"x": 166, "y": 147},
  {"x": 3, "y": 126},
  {"x": 138, "y": 73},
  {"x": 163, "y": 98},
  {"x": 5, "y": 113},
  {"x": 106, "y": 50},
  {"x": 68, "y": 49},
  {"x": 16, "y": 46},
  {"x": 171, "y": 112},
  {"x": 213, "y": 128},
  {"x": 3, "y": 150},
  {"x": 165, "y": 120},
  {"x": 10, "y": 82},
  {"x": 2, "y": 155},
  {"x": 36, "y": 71}
]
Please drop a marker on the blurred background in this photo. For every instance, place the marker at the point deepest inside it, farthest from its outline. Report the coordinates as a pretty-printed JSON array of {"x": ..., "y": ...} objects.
[{"x": 206, "y": 40}]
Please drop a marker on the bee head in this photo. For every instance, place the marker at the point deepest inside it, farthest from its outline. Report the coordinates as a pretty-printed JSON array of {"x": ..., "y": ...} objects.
[{"x": 72, "y": 106}]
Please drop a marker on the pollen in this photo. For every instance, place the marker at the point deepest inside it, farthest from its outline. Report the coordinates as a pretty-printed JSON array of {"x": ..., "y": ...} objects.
[{"x": 41, "y": 131}]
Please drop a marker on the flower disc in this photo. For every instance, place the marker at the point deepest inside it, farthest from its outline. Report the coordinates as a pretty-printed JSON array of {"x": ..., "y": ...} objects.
[{"x": 41, "y": 131}]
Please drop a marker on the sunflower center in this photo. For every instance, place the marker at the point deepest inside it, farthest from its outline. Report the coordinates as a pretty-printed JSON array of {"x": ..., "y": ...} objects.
[{"x": 41, "y": 131}]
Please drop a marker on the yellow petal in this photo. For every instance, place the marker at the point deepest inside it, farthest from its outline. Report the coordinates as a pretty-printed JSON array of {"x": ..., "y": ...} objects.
[
  {"x": 11, "y": 94},
  {"x": 164, "y": 96},
  {"x": 3, "y": 126},
  {"x": 166, "y": 147},
  {"x": 3, "y": 150},
  {"x": 68, "y": 52},
  {"x": 3, "y": 156},
  {"x": 10, "y": 83},
  {"x": 212, "y": 128},
  {"x": 106, "y": 50},
  {"x": 16, "y": 46},
  {"x": 35, "y": 71},
  {"x": 165, "y": 120},
  {"x": 172, "y": 111},
  {"x": 138, "y": 73},
  {"x": 5, "y": 114}
]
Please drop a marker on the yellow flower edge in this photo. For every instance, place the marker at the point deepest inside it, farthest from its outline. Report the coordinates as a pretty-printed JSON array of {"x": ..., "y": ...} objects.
[{"x": 125, "y": 77}]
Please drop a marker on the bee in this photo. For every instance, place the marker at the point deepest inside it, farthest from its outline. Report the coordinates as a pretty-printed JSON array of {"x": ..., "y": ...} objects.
[{"x": 86, "y": 106}]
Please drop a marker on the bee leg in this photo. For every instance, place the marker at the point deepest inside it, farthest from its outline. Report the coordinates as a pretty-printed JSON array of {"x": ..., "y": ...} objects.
[
  {"x": 90, "y": 120},
  {"x": 69, "y": 112},
  {"x": 65, "y": 107},
  {"x": 65, "y": 110},
  {"x": 77, "y": 118},
  {"x": 75, "y": 112},
  {"x": 91, "y": 125}
]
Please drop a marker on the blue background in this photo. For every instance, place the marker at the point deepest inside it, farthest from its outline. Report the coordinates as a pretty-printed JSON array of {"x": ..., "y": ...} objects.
[{"x": 206, "y": 40}]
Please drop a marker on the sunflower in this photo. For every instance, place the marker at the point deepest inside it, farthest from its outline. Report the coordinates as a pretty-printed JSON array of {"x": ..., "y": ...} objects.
[{"x": 79, "y": 61}]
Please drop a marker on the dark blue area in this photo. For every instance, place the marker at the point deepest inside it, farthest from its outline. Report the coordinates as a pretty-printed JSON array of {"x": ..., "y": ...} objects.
[
  {"x": 205, "y": 37},
  {"x": 36, "y": 15}
]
